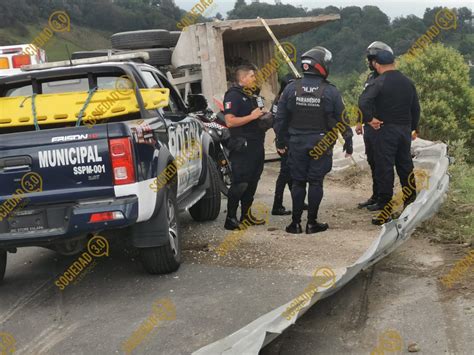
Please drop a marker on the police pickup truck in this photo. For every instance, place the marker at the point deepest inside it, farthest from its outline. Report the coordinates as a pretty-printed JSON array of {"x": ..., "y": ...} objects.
[{"x": 64, "y": 180}]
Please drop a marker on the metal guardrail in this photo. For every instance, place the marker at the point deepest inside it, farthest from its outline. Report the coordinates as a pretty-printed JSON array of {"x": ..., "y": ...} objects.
[{"x": 431, "y": 156}]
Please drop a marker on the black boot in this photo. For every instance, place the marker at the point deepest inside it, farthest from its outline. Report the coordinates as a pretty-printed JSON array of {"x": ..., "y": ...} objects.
[
  {"x": 252, "y": 220},
  {"x": 280, "y": 211},
  {"x": 377, "y": 206},
  {"x": 294, "y": 228},
  {"x": 235, "y": 193},
  {"x": 383, "y": 202},
  {"x": 384, "y": 216},
  {"x": 380, "y": 219},
  {"x": 316, "y": 227},
  {"x": 231, "y": 223},
  {"x": 370, "y": 201}
]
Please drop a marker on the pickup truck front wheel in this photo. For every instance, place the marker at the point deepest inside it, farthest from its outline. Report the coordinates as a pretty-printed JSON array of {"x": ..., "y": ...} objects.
[
  {"x": 167, "y": 258},
  {"x": 3, "y": 263},
  {"x": 209, "y": 206}
]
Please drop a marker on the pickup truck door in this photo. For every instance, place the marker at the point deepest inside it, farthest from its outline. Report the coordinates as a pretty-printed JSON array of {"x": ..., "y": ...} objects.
[
  {"x": 193, "y": 131},
  {"x": 182, "y": 129}
]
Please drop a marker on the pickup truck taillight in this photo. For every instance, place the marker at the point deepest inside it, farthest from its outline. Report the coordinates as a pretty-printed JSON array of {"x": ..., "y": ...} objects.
[
  {"x": 106, "y": 216},
  {"x": 20, "y": 60},
  {"x": 122, "y": 161}
]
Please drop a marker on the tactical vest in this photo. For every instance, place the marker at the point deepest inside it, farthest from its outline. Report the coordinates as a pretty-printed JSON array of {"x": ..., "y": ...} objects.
[
  {"x": 307, "y": 107},
  {"x": 250, "y": 130}
]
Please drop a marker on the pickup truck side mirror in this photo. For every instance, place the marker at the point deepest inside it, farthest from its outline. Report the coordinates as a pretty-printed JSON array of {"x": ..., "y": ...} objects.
[{"x": 196, "y": 103}]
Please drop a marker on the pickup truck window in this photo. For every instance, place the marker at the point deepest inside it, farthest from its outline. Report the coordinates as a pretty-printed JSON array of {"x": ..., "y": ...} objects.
[
  {"x": 152, "y": 81},
  {"x": 62, "y": 86},
  {"x": 177, "y": 100}
]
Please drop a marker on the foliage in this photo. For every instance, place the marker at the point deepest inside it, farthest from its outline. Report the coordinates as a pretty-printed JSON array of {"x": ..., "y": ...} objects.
[
  {"x": 121, "y": 15},
  {"x": 447, "y": 100}
]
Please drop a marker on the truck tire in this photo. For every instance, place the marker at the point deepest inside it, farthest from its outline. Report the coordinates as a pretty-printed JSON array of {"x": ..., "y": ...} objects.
[
  {"x": 174, "y": 37},
  {"x": 209, "y": 206},
  {"x": 158, "y": 56},
  {"x": 3, "y": 264},
  {"x": 141, "y": 39},
  {"x": 167, "y": 258}
]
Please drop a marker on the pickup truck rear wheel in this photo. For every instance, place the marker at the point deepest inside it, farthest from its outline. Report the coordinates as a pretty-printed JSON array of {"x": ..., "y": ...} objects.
[
  {"x": 3, "y": 263},
  {"x": 209, "y": 206},
  {"x": 167, "y": 258}
]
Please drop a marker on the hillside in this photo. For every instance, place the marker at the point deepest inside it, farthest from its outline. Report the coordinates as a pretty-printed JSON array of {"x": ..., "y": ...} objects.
[{"x": 80, "y": 38}]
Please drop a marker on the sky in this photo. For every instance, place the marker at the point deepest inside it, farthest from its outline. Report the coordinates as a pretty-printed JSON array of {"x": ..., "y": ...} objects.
[{"x": 392, "y": 8}]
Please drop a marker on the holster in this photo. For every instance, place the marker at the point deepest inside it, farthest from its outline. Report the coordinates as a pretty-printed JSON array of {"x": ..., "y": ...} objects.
[{"x": 237, "y": 144}]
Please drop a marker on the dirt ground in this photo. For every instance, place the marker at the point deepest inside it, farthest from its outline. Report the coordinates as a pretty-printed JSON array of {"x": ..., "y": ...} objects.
[
  {"x": 401, "y": 293},
  {"x": 269, "y": 246}
]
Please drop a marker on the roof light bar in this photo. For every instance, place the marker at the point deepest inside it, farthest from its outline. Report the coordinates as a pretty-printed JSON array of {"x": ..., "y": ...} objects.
[{"x": 66, "y": 63}]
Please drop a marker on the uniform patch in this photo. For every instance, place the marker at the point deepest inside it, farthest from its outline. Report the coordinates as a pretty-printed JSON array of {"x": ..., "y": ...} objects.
[{"x": 228, "y": 105}]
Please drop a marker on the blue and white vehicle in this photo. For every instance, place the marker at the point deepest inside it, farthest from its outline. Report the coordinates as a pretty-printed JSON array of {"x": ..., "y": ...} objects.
[{"x": 98, "y": 180}]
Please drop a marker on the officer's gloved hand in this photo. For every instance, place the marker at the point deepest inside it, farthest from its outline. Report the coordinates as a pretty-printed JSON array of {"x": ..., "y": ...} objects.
[
  {"x": 348, "y": 146},
  {"x": 281, "y": 147}
]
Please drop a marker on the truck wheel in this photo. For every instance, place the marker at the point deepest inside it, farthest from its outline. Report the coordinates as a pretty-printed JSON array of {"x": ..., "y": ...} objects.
[
  {"x": 166, "y": 258},
  {"x": 174, "y": 37},
  {"x": 3, "y": 264},
  {"x": 158, "y": 56},
  {"x": 141, "y": 39},
  {"x": 209, "y": 206}
]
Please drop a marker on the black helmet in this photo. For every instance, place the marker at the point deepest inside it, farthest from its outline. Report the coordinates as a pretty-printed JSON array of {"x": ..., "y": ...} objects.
[
  {"x": 381, "y": 52},
  {"x": 288, "y": 78},
  {"x": 316, "y": 61}
]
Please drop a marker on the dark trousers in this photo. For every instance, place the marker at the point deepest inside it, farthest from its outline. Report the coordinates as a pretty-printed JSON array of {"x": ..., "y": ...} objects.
[
  {"x": 370, "y": 148},
  {"x": 305, "y": 169},
  {"x": 393, "y": 144},
  {"x": 284, "y": 178},
  {"x": 247, "y": 167}
]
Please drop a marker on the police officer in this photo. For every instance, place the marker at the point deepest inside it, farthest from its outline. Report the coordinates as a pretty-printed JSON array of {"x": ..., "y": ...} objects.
[
  {"x": 368, "y": 131},
  {"x": 246, "y": 146},
  {"x": 284, "y": 176},
  {"x": 390, "y": 106},
  {"x": 308, "y": 109}
]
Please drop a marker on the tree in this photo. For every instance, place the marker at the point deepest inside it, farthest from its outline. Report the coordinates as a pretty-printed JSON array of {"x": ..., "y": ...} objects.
[
  {"x": 465, "y": 16},
  {"x": 239, "y": 4},
  {"x": 466, "y": 47},
  {"x": 412, "y": 22},
  {"x": 447, "y": 101}
]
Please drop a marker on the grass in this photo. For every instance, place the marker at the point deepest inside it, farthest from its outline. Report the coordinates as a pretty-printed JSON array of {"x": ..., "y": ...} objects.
[
  {"x": 79, "y": 39},
  {"x": 454, "y": 223}
]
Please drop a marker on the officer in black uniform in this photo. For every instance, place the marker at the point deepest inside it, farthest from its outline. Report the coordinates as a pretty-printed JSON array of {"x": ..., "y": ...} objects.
[
  {"x": 368, "y": 131},
  {"x": 246, "y": 145},
  {"x": 308, "y": 109},
  {"x": 390, "y": 105},
  {"x": 284, "y": 177}
]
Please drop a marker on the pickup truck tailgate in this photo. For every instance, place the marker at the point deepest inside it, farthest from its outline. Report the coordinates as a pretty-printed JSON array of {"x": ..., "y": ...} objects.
[{"x": 73, "y": 164}]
